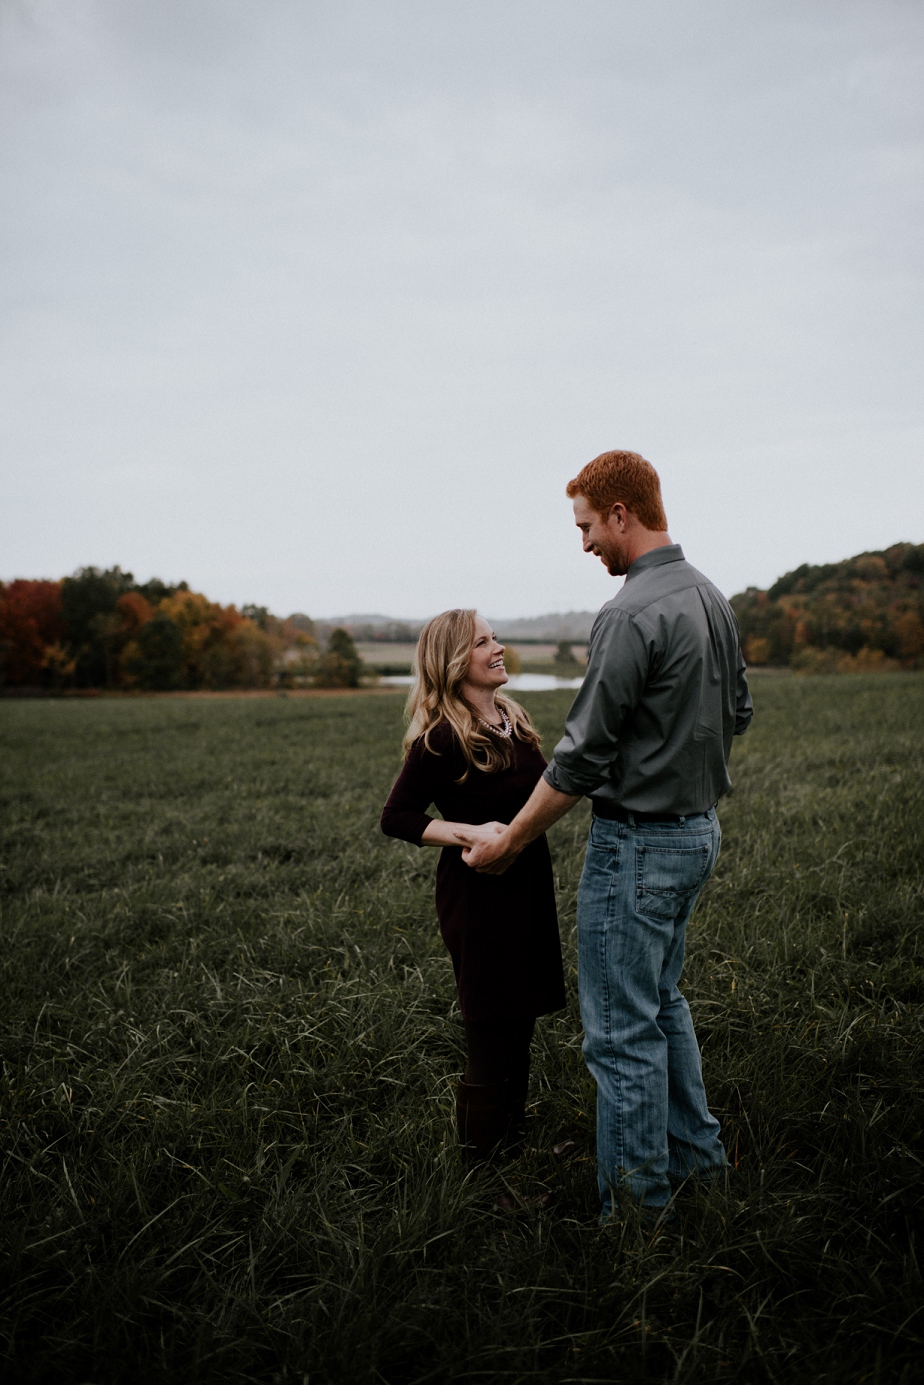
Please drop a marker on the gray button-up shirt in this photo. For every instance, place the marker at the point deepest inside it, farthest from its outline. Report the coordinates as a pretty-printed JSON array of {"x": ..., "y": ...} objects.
[{"x": 651, "y": 728}]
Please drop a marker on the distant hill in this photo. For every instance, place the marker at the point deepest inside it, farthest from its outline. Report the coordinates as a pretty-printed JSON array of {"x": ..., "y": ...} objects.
[
  {"x": 865, "y": 613},
  {"x": 375, "y": 621},
  {"x": 572, "y": 625},
  {"x": 384, "y": 629}
]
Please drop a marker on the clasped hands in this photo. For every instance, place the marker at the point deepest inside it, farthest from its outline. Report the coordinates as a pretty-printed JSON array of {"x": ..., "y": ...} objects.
[{"x": 483, "y": 847}]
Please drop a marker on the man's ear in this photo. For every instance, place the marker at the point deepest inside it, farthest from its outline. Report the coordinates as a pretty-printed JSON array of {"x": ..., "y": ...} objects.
[{"x": 620, "y": 515}]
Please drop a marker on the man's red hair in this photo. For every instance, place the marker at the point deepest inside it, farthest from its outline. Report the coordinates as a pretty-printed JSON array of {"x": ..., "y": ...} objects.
[{"x": 626, "y": 477}]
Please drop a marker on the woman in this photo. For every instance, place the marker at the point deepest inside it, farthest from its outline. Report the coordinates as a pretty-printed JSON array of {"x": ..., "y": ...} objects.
[{"x": 473, "y": 753}]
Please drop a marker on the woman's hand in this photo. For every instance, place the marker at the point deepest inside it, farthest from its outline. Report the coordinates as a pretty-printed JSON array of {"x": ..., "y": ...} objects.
[
  {"x": 478, "y": 832},
  {"x": 491, "y": 855},
  {"x": 455, "y": 833},
  {"x": 480, "y": 848}
]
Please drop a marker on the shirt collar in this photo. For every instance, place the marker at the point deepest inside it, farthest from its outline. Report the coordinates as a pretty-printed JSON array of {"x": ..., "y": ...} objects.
[{"x": 670, "y": 553}]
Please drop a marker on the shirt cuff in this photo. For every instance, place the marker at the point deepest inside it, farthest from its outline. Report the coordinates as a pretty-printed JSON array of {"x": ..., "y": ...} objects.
[{"x": 559, "y": 779}]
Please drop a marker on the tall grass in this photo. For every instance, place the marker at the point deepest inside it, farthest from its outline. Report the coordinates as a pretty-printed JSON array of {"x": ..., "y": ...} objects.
[{"x": 229, "y": 1039}]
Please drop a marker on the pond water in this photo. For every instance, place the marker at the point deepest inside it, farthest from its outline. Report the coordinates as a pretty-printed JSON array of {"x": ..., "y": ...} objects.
[{"x": 518, "y": 682}]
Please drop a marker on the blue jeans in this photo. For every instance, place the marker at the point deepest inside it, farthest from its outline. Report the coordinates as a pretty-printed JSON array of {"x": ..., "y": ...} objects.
[{"x": 637, "y": 893}]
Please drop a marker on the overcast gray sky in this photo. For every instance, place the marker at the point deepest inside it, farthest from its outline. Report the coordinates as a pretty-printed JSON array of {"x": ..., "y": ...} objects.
[{"x": 319, "y": 304}]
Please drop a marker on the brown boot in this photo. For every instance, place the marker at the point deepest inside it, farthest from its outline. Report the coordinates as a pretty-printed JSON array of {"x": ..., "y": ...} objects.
[{"x": 482, "y": 1117}]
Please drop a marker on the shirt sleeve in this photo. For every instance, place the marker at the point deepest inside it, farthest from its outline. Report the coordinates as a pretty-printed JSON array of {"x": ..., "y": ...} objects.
[
  {"x": 618, "y": 662},
  {"x": 405, "y": 815},
  {"x": 744, "y": 707}
]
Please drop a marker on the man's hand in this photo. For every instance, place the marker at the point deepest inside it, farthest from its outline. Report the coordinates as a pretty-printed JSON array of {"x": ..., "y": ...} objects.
[
  {"x": 494, "y": 855},
  {"x": 489, "y": 855},
  {"x": 478, "y": 833}
]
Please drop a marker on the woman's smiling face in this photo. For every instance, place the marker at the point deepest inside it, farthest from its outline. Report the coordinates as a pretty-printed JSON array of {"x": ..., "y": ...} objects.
[{"x": 486, "y": 662}]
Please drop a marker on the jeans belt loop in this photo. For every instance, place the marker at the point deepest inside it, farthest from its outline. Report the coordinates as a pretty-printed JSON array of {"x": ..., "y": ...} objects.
[{"x": 631, "y": 820}]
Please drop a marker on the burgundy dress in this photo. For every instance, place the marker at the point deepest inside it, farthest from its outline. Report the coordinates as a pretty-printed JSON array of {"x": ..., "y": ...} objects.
[{"x": 501, "y": 930}]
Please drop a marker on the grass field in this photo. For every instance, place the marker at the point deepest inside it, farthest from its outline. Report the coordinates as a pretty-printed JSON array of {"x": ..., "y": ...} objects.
[{"x": 229, "y": 1041}]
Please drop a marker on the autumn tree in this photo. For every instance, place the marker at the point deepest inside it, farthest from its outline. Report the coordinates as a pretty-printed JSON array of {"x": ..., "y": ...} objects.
[
  {"x": 100, "y": 628},
  {"x": 221, "y": 647},
  {"x": 32, "y": 629},
  {"x": 864, "y": 613}
]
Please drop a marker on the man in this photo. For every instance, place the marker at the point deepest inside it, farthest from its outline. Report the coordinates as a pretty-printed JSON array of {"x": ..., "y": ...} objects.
[{"x": 647, "y": 740}]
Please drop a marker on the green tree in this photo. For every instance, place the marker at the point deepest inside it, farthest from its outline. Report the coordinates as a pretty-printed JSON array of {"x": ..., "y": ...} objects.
[
  {"x": 341, "y": 666},
  {"x": 564, "y": 654},
  {"x": 155, "y": 591},
  {"x": 88, "y": 605},
  {"x": 157, "y": 658},
  {"x": 258, "y": 614}
]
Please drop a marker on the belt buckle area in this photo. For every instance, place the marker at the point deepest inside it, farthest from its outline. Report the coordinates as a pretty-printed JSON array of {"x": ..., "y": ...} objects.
[{"x": 616, "y": 813}]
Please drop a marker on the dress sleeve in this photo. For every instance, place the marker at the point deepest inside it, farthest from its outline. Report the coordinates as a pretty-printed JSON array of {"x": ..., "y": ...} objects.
[{"x": 405, "y": 815}]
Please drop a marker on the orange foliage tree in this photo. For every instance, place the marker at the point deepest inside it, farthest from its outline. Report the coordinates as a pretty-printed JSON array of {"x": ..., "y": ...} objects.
[
  {"x": 863, "y": 614},
  {"x": 31, "y": 633},
  {"x": 219, "y": 648},
  {"x": 100, "y": 628}
]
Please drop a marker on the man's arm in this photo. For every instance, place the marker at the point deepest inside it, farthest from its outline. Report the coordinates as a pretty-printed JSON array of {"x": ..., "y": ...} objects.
[
  {"x": 617, "y": 666},
  {"x": 544, "y": 806},
  {"x": 618, "y": 662}
]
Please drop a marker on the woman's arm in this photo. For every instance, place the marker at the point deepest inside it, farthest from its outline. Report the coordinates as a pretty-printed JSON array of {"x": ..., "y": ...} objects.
[
  {"x": 418, "y": 784},
  {"x": 447, "y": 833}
]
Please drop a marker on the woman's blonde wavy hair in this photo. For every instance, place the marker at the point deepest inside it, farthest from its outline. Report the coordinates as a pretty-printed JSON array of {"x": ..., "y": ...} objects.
[{"x": 440, "y": 666}]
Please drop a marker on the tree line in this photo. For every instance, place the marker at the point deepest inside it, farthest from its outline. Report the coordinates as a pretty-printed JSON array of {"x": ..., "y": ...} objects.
[
  {"x": 102, "y": 629},
  {"x": 863, "y": 614}
]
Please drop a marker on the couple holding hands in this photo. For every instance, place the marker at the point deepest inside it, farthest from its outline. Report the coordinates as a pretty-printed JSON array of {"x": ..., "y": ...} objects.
[{"x": 647, "y": 739}]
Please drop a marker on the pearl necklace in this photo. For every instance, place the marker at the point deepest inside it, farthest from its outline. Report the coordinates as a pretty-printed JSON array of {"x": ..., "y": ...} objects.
[{"x": 506, "y": 730}]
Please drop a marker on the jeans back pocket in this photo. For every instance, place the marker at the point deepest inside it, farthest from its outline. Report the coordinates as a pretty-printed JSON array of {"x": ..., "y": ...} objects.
[{"x": 668, "y": 878}]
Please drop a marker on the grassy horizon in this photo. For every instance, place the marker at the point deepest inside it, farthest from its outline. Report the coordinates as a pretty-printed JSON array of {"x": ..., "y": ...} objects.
[{"x": 230, "y": 1037}]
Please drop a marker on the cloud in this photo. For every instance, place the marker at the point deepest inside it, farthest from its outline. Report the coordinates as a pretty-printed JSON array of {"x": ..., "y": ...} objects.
[{"x": 319, "y": 305}]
